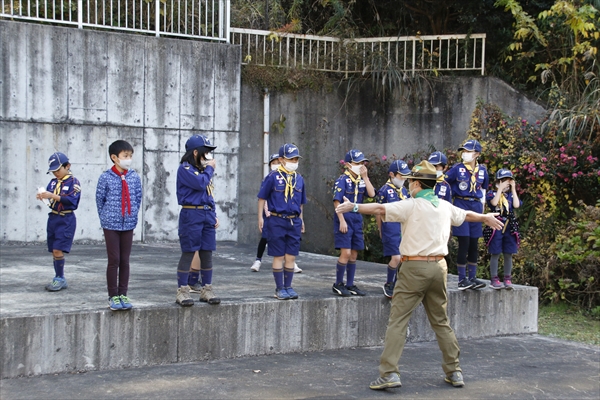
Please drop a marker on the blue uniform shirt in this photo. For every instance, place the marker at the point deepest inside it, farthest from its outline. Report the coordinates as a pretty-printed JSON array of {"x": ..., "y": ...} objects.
[
  {"x": 274, "y": 189},
  {"x": 443, "y": 191},
  {"x": 345, "y": 185},
  {"x": 459, "y": 179},
  {"x": 391, "y": 231},
  {"x": 498, "y": 207},
  {"x": 70, "y": 193},
  {"x": 194, "y": 188}
]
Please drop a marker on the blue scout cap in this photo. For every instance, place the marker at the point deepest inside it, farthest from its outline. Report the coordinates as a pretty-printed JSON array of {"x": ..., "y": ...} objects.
[
  {"x": 437, "y": 157},
  {"x": 355, "y": 156},
  {"x": 503, "y": 173},
  {"x": 289, "y": 150},
  {"x": 272, "y": 157},
  {"x": 197, "y": 141},
  {"x": 471, "y": 145},
  {"x": 56, "y": 160},
  {"x": 399, "y": 166}
]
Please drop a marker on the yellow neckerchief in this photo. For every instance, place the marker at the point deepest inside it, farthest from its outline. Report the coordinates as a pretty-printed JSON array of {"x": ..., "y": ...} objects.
[
  {"x": 289, "y": 178},
  {"x": 398, "y": 190},
  {"x": 503, "y": 203},
  {"x": 58, "y": 188},
  {"x": 210, "y": 188},
  {"x": 473, "y": 172},
  {"x": 356, "y": 182}
]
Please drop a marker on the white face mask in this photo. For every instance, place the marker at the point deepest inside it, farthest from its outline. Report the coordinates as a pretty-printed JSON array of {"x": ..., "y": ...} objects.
[
  {"x": 356, "y": 169},
  {"x": 398, "y": 182},
  {"x": 468, "y": 157},
  {"x": 208, "y": 156},
  {"x": 125, "y": 164},
  {"x": 291, "y": 166},
  {"x": 274, "y": 167},
  {"x": 439, "y": 173},
  {"x": 411, "y": 191}
]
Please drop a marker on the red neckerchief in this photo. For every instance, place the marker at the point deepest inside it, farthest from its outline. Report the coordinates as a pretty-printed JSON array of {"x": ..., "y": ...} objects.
[{"x": 125, "y": 198}]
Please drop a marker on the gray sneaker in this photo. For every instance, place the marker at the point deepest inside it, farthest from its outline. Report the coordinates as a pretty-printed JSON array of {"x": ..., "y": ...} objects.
[
  {"x": 391, "y": 380},
  {"x": 455, "y": 379},
  {"x": 208, "y": 296},
  {"x": 183, "y": 296},
  {"x": 197, "y": 288}
]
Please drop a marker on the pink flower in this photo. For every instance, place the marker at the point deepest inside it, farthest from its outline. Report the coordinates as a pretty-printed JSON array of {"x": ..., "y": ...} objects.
[
  {"x": 566, "y": 179},
  {"x": 384, "y": 157},
  {"x": 562, "y": 149},
  {"x": 540, "y": 173},
  {"x": 342, "y": 162},
  {"x": 574, "y": 175},
  {"x": 544, "y": 159},
  {"x": 540, "y": 139},
  {"x": 580, "y": 173}
]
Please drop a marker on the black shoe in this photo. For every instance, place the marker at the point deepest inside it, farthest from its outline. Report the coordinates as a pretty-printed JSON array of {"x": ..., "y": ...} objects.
[
  {"x": 477, "y": 284},
  {"x": 355, "y": 291},
  {"x": 340, "y": 290},
  {"x": 388, "y": 289},
  {"x": 465, "y": 284}
]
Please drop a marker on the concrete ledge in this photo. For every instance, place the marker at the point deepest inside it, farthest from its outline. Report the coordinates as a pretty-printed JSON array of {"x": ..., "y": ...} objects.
[{"x": 51, "y": 338}]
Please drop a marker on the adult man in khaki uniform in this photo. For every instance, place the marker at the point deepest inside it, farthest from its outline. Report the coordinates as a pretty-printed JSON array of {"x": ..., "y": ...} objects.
[{"x": 426, "y": 222}]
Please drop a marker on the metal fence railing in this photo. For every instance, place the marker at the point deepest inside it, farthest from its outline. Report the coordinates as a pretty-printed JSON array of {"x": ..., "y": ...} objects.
[
  {"x": 409, "y": 53},
  {"x": 200, "y": 19}
]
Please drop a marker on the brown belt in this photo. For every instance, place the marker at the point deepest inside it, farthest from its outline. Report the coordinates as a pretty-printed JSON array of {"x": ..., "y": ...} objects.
[
  {"x": 61, "y": 213},
  {"x": 284, "y": 216},
  {"x": 198, "y": 207},
  {"x": 422, "y": 258}
]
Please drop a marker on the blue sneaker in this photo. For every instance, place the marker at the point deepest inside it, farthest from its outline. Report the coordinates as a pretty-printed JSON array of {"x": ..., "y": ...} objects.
[
  {"x": 125, "y": 303},
  {"x": 114, "y": 303},
  {"x": 57, "y": 284},
  {"x": 282, "y": 294},
  {"x": 291, "y": 292}
]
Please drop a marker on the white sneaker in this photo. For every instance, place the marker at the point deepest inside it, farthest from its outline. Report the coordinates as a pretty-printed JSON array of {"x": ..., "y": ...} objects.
[
  {"x": 256, "y": 266},
  {"x": 297, "y": 269}
]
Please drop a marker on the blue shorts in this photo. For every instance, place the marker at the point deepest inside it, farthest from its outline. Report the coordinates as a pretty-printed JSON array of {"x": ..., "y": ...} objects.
[
  {"x": 390, "y": 237},
  {"x": 353, "y": 239},
  {"x": 197, "y": 230},
  {"x": 470, "y": 229},
  {"x": 284, "y": 236},
  {"x": 60, "y": 231},
  {"x": 503, "y": 243}
]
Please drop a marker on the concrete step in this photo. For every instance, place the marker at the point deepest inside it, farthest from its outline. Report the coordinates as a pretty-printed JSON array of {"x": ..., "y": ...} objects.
[{"x": 73, "y": 330}]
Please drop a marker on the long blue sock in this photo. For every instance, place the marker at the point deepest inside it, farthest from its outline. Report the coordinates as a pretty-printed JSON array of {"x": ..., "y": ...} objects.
[
  {"x": 59, "y": 266},
  {"x": 472, "y": 270},
  {"x": 194, "y": 277},
  {"x": 278, "y": 275},
  {"x": 391, "y": 274},
  {"x": 288, "y": 275},
  {"x": 462, "y": 272},
  {"x": 350, "y": 271},
  {"x": 206, "y": 276},
  {"x": 182, "y": 278},
  {"x": 340, "y": 271}
]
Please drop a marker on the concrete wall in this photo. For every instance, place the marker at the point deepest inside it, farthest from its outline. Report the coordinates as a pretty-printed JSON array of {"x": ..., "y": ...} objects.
[
  {"x": 325, "y": 125},
  {"x": 76, "y": 91},
  {"x": 80, "y": 341}
]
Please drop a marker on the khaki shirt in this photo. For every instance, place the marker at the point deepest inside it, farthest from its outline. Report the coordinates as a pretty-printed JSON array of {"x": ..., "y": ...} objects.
[{"x": 425, "y": 228}]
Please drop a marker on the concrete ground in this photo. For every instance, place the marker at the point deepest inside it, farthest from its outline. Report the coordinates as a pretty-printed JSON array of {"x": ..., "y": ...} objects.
[{"x": 518, "y": 367}]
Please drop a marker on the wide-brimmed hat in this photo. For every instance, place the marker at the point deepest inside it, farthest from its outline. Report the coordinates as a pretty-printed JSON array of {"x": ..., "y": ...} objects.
[
  {"x": 471, "y": 145},
  {"x": 399, "y": 167},
  {"x": 423, "y": 171},
  {"x": 198, "y": 141},
  {"x": 437, "y": 158},
  {"x": 289, "y": 150},
  {"x": 56, "y": 160},
  {"x": 355, "y": 156},
  {"x": 503, "y": 173}
]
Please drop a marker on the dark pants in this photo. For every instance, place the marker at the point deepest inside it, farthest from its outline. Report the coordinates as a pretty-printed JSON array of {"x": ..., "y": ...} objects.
[{"x": 118, "y": 249}]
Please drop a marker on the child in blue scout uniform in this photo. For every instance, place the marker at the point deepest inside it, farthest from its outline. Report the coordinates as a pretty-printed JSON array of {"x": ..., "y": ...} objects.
[
  {"x": 64, "y": 193},
  {"x": 273, "y": 165},
  {"x": 347, "y": 228},
  {"x": 506, "y": 241},
  {"x": 197, "y": 219},
  {"x": 118, "y": 200},
  {"x": 284, "y": 192},
  {"x": 393, "y": 190},
  {"x": 442, "y": 188},
  {"x": 469, "y": 181}
]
